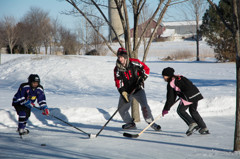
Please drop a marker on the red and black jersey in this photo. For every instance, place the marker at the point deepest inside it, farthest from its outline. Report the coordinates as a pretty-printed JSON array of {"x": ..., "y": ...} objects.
[{"x": 126, "y": 77}]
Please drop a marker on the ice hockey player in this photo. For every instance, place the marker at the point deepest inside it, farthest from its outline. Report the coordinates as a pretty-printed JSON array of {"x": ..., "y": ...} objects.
[
  {"x": 129, "y": 76},
  {"x": 189, "y": 95},
  {"x": 24, "y": 100}
]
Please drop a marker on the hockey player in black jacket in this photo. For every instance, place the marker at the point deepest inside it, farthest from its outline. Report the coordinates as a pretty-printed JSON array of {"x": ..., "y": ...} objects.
[
  {"x": 189, "y": 96},
  {"x": 129, "y": 76}
]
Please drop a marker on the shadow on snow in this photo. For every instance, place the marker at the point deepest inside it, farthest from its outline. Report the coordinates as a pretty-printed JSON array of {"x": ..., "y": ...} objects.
[{"x": 203, "y": 82}]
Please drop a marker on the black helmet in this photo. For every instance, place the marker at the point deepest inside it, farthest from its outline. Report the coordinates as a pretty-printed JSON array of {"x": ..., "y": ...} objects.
[{"x": 33, "y": 78}]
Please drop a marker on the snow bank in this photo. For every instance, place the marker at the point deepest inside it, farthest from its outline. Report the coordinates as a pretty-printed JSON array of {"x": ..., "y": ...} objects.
[
  {"x": 89, "y": 92},
  {"x": 81, "y": 90}
]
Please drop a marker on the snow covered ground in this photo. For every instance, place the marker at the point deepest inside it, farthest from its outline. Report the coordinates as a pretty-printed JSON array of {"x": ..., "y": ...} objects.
[{"x": 81, "y": 91}]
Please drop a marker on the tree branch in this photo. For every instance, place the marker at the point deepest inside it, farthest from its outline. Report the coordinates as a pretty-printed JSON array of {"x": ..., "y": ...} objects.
[
  {"x": 105, "y": 18},
  {"x": 72, "y": 2},
  {"x": 145, "y": 29},
  {"x": 155, "y": 29}
]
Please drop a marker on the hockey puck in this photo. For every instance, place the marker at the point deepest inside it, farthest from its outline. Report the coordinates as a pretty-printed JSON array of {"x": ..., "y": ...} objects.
[{"x": 43, "y": 144}]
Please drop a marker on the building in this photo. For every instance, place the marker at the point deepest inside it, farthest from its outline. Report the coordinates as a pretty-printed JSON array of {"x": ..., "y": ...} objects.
[
  {"x": 150, "y": 29},
  {"x": 167, "y": 31},
  {"x": 182, "y": 29},
  {"x": 3, "y": 50}
]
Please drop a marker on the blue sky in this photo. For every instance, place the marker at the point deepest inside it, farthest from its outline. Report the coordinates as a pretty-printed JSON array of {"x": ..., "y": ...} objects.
[{"x": 18, "y": 8}]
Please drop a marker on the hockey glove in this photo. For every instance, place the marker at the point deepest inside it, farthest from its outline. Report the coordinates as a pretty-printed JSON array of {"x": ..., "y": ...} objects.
[
  {"x": 125, "y": 96},
  {"x": 28, "y": 104},
  {"x": 45, "y": 110},
  {"x": 141, "y": 80},
  {"x": 164, "y": 112}
]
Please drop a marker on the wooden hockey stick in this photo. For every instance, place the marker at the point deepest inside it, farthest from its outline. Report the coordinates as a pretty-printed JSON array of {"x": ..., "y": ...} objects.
[{"x": 137, "y": 135}]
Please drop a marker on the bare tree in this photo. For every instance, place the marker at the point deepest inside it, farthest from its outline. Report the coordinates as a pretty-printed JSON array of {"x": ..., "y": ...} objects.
[
  {"x": 24, "y": 35},
  {"x": 68, "y": 41},
  {"x": 55, "y": 37},
  {"x": 40, "y": 27},
  {"x": 96, "y": 41},
  {"x": 47, "y": 32},
  {"x": 194, "y": 10},
  {"x": 86, "y": 33},
  {"x": 144, "y": 16},
  {"x": 123, "y": 7},
  {"x": 80, "y": 37},
  {"x": 9, "y": 32},
  {"x": 2, "y": 41},
  {"x": 236, "y": 35},
  {"x": 136, "y": 8}
]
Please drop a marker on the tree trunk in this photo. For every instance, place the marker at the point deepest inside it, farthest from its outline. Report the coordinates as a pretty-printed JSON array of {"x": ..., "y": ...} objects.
[
  {"x": 237, "y": 122},
  {"x": 197, "y": 40},
  {"x": 135, "y": 104},
  {"x": 50, "y": 48},
  {"x": 11, "y": 48},
  {"x": 197, "y": 46},
  {"x": 46, "y": 49},
  {"x": 236, "y": 12},
  {"x": 135, "y": 110},
  {"x": 24, "y": 49}
]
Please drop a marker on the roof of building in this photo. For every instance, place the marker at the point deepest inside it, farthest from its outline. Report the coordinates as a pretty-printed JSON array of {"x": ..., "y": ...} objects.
[{"x": 181, "y": 23}]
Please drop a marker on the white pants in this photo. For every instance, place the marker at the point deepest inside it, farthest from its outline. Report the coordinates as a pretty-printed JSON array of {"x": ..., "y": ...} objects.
[{"x": 140, "y": 96}]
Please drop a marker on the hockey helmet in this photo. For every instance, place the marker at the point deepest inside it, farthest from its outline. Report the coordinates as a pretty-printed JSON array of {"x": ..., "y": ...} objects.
[{"x": 33, "y": 78}]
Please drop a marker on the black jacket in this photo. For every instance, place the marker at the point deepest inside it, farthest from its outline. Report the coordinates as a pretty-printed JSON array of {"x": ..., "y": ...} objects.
[
  {"x": 189, "y": 92},
  {"x": 126, "y": 79}
]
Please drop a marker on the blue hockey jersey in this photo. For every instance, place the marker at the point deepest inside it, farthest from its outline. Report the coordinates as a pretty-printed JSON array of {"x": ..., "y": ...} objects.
[{"x": 25, "y": 92}]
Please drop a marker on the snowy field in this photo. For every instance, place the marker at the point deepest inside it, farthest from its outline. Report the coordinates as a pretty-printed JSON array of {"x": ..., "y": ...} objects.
[{"x": 81, "y": 91}]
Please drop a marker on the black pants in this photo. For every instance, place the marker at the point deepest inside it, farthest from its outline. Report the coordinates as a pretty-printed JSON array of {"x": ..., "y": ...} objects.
[
  {"x": 195, "y": 116},
  {"x": 23, "y": 115}
]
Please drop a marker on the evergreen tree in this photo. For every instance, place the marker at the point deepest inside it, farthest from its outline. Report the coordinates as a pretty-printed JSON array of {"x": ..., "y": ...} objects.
[{"x": 218, "y": 36}]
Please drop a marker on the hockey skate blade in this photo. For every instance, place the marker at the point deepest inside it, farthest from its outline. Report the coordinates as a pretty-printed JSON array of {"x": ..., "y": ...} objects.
[
  {"x": 130, "y": 135},
  {"x": 92, "y": 136}
]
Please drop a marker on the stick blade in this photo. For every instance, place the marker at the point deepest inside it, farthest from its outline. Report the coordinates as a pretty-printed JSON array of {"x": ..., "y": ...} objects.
[
  {"x": 92, "y": 136},
  {"x": 130, "y": 135}
]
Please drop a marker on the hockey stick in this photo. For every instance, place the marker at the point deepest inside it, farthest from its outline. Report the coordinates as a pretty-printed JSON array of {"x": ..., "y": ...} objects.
[
  {"x": 137, "y": 135},
  {"x": 89, "y": 135},
  {"x": 111, "y": 117},
  {"x": 107, "y": 122}
]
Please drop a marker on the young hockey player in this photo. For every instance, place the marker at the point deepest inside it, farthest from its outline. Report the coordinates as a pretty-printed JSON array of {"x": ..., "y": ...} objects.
[
  {"x": 189, "y": 96},
  {"x": 24, "y": 100},
  {"x": 129, "y": 76}
]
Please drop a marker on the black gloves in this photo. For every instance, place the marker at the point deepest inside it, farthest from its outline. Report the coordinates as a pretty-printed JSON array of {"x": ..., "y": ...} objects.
[{"x": 140, "y": 81}]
